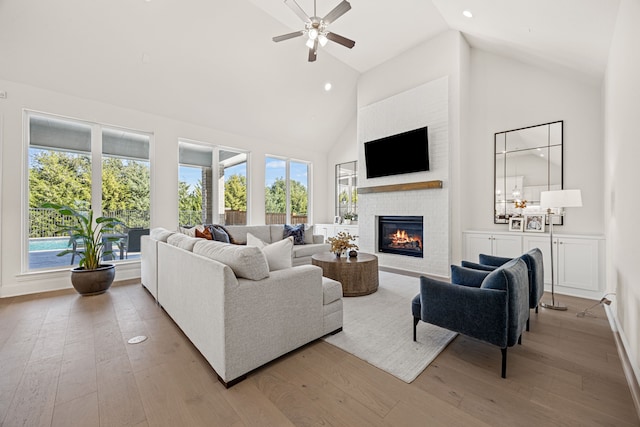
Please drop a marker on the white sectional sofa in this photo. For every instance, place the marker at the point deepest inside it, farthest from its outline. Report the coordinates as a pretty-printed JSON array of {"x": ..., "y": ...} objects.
[{"x": 238, "y": 313}]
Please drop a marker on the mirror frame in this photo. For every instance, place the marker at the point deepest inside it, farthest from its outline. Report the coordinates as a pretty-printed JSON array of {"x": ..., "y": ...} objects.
[
  {"x": 347, "y": 181},
  {"x": 502, "y": 216}
]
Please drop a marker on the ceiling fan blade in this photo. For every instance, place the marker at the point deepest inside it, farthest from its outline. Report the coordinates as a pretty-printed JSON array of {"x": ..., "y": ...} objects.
[
  {"x": 337, "y": 12},
  {"x": 297, "y": 10},
  {"x": 341, "y": 40},
  {"x": 313, "y": 52},
  {"x": 287, "y": 36}
]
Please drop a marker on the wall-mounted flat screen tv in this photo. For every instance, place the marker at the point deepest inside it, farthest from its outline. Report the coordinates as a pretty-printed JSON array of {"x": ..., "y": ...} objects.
[{"x": 405, "y": 152}]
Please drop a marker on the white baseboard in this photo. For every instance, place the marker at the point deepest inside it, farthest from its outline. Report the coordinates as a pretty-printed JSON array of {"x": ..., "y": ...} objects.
[{"x": 630, "y": 367}]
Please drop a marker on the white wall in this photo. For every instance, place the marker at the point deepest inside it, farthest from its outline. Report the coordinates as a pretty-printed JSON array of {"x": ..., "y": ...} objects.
[
  {"x": 622, "y": 175},
  {"x": 424, "y": 105},
  {"x": 444, "y": 55},
  {"x": 164, "y": 156},
  {"x": 507, "y": 94},
  {"x": 345, "y": 150}
]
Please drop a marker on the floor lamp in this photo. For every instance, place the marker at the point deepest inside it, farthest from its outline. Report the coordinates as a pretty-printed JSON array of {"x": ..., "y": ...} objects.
[{"x": 559, "y": 199}]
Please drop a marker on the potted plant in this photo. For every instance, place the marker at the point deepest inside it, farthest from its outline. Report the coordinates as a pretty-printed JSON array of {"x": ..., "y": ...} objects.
[
  {"x": 349, "y": 217},
  {"x": 91, "y": 277},
  {"x": 342, "y": 242}
]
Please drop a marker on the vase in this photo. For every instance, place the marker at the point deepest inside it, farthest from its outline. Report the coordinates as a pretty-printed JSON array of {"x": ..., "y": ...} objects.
[
  {"x": 338, "y": 254},
  {"x": 93, "y": 282}
]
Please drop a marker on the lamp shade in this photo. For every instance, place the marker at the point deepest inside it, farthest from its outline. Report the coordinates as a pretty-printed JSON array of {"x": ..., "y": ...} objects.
[{"x": 561, "y": 199}]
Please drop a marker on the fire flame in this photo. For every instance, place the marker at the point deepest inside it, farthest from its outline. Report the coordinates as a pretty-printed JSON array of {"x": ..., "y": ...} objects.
[{"x": 401, "y": 238}]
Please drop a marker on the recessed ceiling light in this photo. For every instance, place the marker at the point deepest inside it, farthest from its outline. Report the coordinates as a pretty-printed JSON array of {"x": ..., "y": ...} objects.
[
  {"x": 327, "y": 86},
  {"x": 468, "y": 14}
]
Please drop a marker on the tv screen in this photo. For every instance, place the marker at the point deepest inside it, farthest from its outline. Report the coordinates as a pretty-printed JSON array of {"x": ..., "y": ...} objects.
[{"x": 397, "y": 154}]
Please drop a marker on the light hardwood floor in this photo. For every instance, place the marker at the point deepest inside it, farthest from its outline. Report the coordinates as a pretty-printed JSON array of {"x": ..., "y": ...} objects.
[{"x": 65, "y": 361}]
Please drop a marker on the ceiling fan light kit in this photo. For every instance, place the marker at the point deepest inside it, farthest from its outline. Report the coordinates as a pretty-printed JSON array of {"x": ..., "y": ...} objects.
[{"x": 315, "y": 28}]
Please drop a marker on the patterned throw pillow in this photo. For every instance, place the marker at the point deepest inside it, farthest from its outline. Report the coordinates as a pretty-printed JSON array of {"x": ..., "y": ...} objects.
[
  {"x": 297, "y": 232},
  {"x": 204, "y": 234}
]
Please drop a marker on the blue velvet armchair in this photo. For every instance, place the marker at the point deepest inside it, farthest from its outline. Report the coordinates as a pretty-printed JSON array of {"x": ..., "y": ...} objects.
[
  {"x": 491, "y": 306},
  {"x": 533, "y": 259}
]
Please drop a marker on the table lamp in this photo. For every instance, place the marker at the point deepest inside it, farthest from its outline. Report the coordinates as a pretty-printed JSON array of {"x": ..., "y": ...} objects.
[{"x": 558, "y": 199}]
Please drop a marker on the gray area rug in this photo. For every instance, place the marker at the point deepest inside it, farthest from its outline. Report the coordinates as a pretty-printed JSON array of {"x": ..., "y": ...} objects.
[{"x": 377, "y": 328}]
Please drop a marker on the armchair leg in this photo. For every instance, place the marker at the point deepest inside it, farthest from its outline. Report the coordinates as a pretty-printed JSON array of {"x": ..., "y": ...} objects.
[
  {"x": 536, "y": 309},
  {"x": 528, "y": 323},
  {"x": 520, "y": 339},
  {"x": 504, "y": 362},
  {"x": 415, "y": 324}
]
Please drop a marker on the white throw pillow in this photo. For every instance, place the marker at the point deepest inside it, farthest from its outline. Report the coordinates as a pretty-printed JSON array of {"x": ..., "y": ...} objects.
[
  {"x": 245, "y": 261},
  {"x": 191, "y": 232},
  {"x": 279, "y": 254}
]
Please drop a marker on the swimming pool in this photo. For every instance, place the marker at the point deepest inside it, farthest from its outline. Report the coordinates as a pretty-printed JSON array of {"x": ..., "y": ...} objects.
[{"x": 48, "y": 244}]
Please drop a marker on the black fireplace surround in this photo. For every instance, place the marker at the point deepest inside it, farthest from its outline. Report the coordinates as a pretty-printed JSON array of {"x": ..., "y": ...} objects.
[{"x": 401, "y": 235}]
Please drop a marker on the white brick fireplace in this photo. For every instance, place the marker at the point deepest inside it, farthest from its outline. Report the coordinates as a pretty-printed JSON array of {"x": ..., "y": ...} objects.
[{"x": 425, "y": 105}]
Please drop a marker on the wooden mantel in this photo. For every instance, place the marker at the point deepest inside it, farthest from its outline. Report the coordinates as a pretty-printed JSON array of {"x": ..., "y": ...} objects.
[{"x": 423, "y": 185}]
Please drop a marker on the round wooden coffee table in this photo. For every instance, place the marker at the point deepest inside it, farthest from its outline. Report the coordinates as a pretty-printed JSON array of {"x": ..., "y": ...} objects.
[{"x": 358, "y": 275}]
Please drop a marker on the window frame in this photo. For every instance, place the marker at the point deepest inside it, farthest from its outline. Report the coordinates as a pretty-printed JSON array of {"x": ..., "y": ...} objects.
[
  {"x": 215, "y": 171},
  {"x": 96, "y": 157},
  {"x": 288, "y": 161}
]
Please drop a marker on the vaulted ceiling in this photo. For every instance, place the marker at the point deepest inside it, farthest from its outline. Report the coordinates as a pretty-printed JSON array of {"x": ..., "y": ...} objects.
[{"x": 213, "y": 63}]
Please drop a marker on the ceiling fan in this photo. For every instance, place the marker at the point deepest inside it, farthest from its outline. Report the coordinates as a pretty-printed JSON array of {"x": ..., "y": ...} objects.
[{"x": 315, "y": 28}]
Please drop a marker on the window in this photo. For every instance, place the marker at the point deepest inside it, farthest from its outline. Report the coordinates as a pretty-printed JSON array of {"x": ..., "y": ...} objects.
[
  {"x": 203, "y": 199},
  {"x": 63, "y": 157},
  {"x": 287, "y": 191}
]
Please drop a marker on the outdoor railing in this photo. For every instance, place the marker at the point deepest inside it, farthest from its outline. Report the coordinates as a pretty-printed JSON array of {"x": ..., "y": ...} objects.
[{"x": 46, "y": 222}]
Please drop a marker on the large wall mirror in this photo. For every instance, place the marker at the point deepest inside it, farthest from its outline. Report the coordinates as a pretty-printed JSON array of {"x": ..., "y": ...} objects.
[
  {"x": 347, "y": 191},
  {"x": 527, "y": 162}
]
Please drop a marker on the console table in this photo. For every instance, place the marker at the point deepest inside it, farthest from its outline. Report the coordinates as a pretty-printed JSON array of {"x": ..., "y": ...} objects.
[{"x": 358, "y": 275}]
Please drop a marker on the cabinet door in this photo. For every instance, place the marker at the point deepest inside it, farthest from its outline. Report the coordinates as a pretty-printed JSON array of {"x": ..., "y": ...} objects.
[
  {"x": 325, "y": 230},
  {"x": 476, "y": 244},
  {"x": 544, "y": 244},
  {"x": 507, "y": 246},
  {"x": 578, "y": 263}
]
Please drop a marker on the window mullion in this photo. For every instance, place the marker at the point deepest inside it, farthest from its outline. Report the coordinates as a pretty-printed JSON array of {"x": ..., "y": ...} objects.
[
  {"x": 288, "y": 191},
  {"x": 96, "y": 170}
]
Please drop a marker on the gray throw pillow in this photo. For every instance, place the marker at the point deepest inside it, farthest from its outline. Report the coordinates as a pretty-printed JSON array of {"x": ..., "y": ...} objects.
[{"x": 219, "y": 234}]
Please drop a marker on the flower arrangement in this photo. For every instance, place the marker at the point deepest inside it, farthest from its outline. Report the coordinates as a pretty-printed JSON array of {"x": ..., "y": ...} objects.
[{"x": 342, "y": 242}]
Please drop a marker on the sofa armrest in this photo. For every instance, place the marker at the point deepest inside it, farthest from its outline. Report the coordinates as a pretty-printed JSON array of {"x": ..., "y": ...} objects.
[
  {"x": 318, "y": 238},
  {"x": 476, "y": 312},
  {"x": 267, "y": 318}
]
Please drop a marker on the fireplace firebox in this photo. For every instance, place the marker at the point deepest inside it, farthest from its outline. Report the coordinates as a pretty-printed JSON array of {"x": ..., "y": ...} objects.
[{"x": 401, "y": 235}]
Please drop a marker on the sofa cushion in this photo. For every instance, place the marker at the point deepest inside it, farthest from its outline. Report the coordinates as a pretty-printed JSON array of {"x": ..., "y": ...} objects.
[
  {"x": 496, "y": 279},
  {"x": 301, "y": 251},
  {"x": 279, "y": 254},
  {"x": 331, "y": 290},
  {"x": 308, "y": 235},
  {"x": 239, "y": 233},
  {"x": 161, "y": 234},
  {"x": 248, "y": 262},
  {"x": 183, "y": 241},
  {"x": 295, "y": 231}
]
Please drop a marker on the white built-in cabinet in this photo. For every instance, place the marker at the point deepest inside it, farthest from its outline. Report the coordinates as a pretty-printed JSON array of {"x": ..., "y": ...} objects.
[
  {"x": 578, "y": 259},
  {"x": 330, "y": 230},
  {"x": 503, "y": 245}
]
